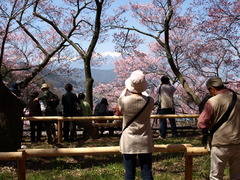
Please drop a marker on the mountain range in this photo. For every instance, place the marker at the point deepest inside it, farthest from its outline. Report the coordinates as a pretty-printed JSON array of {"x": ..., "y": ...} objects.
[{"x": 100, "y": 76}]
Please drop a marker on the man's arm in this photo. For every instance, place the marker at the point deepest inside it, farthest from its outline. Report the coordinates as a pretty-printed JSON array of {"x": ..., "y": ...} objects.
[
  {"x": 124, "y": 93},
  {"x": 206, "y": 118}
]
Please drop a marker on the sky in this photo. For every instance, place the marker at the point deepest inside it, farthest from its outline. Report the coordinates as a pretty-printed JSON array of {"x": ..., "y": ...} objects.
[{"x": 107, "y": 49}]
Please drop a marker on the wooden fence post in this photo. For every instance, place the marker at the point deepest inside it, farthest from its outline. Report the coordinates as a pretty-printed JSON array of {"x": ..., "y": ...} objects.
[
  {"x": 21, "y": 167},
  {"x": 190, "y": 152},
  {"x": 188, "y": 167},
  {"x": 59, "y": 131}
]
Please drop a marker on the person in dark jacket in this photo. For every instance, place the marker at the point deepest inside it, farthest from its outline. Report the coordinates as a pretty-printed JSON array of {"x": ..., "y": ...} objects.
[
  {"x": 69, "y": 102},
  {"x": 101, "y": 109},
  {"x": 34, "y": 109},
  {"x": 14, "y": 88}
]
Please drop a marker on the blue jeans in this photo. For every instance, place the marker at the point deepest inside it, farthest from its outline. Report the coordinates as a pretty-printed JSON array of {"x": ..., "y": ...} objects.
[
  {"x": 163, "y": 122},
  {"x": 129, "y": 161}
]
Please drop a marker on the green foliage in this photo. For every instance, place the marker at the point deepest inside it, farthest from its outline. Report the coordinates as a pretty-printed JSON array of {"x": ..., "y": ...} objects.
[{"x": 7, "y": 175}]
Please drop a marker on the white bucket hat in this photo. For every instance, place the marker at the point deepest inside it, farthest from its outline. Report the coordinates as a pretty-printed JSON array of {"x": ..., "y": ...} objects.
[{"x": 136, "y": 83}]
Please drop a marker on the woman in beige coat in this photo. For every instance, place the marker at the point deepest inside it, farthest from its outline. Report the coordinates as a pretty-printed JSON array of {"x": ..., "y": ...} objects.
[{"x": 136, "y": 139}]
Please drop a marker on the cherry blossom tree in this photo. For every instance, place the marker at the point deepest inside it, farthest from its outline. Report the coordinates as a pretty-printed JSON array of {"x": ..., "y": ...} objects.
[
  {"x": 24, "y": 53},
  {"x": 219, "y": 22},
  {"x": 183, "y": 49},
  {"x": 85, "y": 21},
  {"x": 36, "y": 34},
  {"x": 218, "y": 25},
  {"x": 160, "y": 20}
]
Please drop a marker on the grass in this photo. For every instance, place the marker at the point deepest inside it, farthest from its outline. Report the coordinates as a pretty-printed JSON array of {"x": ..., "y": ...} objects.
[{"x": 166, "y": 166}]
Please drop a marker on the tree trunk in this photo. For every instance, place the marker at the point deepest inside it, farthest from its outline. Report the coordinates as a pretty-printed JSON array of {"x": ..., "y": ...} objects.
[
  {"x": 174, "y": 68},
  {"x": 11, "y": 111},
  {"x": 89, "y": 82}
]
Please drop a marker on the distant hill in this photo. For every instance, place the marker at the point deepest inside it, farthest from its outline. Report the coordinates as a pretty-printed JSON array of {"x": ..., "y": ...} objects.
[
  {"x": 103, "y": 76},
  {"x": 99, "y": 76}
]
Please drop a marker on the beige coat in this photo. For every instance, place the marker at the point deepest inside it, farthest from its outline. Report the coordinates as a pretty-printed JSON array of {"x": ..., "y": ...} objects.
[
  {"x": 137, "y": 138},
  {"x": 229, "y": 132},
  {"x": 166, "y": 96}
]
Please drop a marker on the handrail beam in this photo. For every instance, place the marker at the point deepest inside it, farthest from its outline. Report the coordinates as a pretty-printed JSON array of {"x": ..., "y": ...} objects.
[
  {"x": 97, "y": 150},
  {"x": 90, "y": 118}
]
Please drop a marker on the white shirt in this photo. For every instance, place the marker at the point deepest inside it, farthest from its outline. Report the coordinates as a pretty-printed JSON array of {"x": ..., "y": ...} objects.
[{"x": 166, "y": 95}]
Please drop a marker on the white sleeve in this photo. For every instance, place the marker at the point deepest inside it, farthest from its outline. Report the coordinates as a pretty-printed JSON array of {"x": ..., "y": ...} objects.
[
  {"x": 145, "y": 93},
  {"x": 124, "y": 92},
  {"x": 157, "y": 90}
]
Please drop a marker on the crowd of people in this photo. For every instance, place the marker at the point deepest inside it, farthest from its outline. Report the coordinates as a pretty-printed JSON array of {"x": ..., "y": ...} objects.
[
  {"x": 75, "y": 105},
  {"x": 46, "y": 105},
  {"x": 72, "y": 105},
  {"x": 219, "y": 119}
]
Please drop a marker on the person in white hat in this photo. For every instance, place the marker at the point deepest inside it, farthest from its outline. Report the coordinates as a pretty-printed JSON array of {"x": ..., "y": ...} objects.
[
  {"x": 44, "y": 86},
  {"x": 49, "y": 111},
  {"x": 136, "y": 139},
  {"x": 226, "y": 139}
]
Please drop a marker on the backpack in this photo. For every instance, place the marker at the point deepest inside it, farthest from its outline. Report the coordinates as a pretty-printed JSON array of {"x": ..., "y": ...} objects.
[
  {"x": 159, "y": 97},
  {"x": 79, "y": 109},
  {"x": 53, "y": 100}
]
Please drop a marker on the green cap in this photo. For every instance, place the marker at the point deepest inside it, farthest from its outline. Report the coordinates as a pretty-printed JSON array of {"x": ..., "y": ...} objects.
[{"x": 214, "y": 82}]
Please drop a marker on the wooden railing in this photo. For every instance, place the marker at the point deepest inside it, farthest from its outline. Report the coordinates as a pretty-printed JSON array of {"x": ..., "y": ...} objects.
[
  {"x": 61, "y": 119},
  {"x": 22, "y": 155},
  {"x": 21, "y": 158}
]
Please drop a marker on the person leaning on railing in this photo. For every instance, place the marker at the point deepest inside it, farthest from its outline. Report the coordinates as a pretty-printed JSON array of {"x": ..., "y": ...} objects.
[
  {"x": 69, "y": 102},
  {"x": 86, "y": 111},
  {"x": 225, "y": 145},
  {"x": 166, "y": 106}
]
